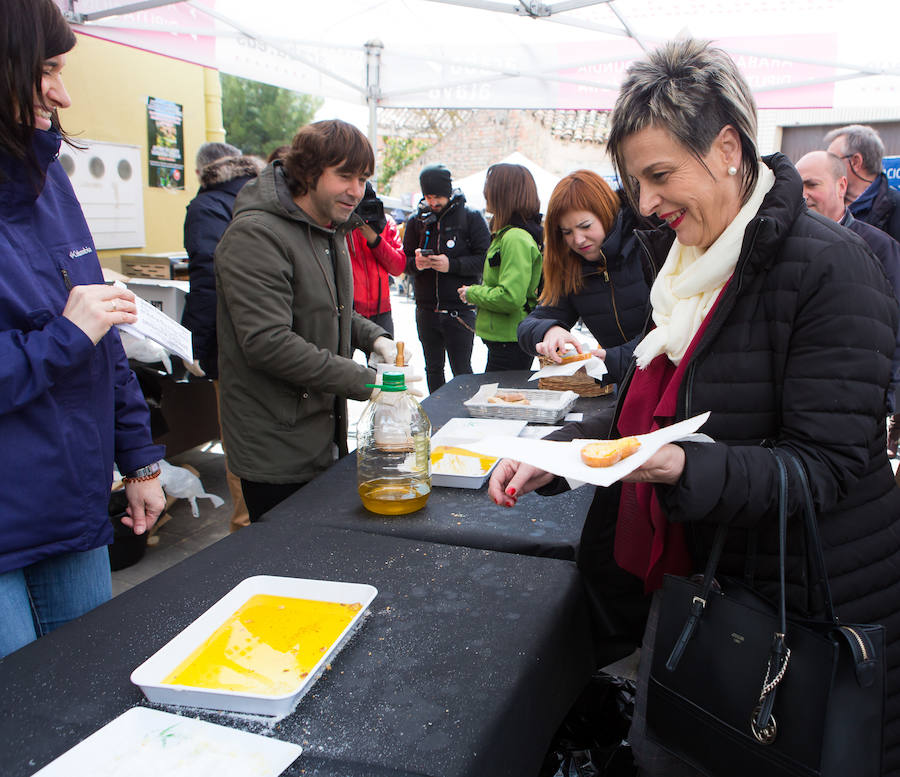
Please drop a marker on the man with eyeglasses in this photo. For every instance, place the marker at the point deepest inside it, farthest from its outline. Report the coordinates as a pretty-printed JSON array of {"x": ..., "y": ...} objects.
[{"x": 868, "y": 196}]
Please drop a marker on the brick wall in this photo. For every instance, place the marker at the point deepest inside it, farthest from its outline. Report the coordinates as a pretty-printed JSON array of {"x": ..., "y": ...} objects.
[{"x": 492, "y": 135}]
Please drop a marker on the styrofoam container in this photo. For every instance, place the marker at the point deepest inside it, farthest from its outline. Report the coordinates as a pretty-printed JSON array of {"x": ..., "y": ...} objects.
[
  {"x": 149, "y": 676},
  {"x": 486, "y": 466},
  {"x": 459, "y": 431}
]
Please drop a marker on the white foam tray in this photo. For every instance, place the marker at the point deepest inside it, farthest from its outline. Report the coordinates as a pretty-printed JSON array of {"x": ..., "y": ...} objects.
[
  {"x": 459, "y": 431},
  {"x": 149, "y": 676},
  {"x": 150, "y": 743}
]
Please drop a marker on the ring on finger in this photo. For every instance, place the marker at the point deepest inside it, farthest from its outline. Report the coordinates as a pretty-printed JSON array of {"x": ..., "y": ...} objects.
[{"x": 114, "y": 306}]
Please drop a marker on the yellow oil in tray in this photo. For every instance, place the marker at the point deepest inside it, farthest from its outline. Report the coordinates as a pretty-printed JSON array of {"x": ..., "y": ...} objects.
[{"x": 267, "y": 647}]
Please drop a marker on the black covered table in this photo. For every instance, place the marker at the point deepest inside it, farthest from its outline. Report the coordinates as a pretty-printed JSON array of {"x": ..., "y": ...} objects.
[
  {"x": 537, "y": 526},
  {"x": 464, "y": 667}
]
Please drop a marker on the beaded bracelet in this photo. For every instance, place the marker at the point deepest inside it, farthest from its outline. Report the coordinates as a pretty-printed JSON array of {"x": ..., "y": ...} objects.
[{"x": 142, "y": 478}]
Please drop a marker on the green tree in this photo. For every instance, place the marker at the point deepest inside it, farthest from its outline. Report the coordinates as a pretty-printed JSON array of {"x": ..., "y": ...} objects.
[
  {"x": 398, "y": 153},
  {"x": 258, "y": 117}
]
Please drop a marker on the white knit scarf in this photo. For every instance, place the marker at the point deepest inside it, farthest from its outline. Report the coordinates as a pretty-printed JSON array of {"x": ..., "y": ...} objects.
[{"x": 690, "y": 281}]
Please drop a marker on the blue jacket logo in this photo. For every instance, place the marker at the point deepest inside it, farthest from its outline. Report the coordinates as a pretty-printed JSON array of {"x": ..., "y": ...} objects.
[{"x": 74, "y": 254}]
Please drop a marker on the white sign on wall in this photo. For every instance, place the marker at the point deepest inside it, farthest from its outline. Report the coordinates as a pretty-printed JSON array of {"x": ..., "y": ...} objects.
[{"x": 108, "y": 183}]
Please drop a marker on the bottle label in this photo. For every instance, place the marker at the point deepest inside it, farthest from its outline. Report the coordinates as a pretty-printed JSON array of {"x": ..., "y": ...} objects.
[{"x": 423, "y": 453}]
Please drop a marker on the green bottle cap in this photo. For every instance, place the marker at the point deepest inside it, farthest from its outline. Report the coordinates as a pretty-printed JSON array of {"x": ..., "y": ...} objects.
[{"x": 390, "y": 381}]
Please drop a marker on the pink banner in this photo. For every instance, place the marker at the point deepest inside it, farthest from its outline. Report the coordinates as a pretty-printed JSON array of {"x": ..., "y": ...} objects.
[
  {"x": 776, "y": 83},
  {"x": 197, "y": 45}
]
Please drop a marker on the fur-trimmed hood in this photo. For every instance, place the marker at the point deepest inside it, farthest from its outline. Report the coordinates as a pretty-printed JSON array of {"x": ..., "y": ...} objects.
[{"x": 228, "y": 168}]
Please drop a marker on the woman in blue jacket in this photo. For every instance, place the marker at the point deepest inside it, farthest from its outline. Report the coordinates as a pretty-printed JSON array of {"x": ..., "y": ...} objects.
[
  {"x": 594, "y": 270},
  {"x": 69, "y": 405}
]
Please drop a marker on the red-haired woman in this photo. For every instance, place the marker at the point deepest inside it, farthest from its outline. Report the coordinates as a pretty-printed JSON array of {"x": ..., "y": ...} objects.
[{"x": 594, "y": 270}]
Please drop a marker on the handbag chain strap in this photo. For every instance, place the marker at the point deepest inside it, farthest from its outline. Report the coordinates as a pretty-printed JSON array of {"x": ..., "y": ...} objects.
[{"x": 762, "y": 721}]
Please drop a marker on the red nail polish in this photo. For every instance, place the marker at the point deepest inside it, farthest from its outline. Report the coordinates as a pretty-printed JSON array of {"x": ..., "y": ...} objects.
[{"x": 511, "y": 491}]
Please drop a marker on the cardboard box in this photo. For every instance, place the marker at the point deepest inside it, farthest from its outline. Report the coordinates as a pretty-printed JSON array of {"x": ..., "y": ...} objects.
[
  {"x": 152, "y": 265},
  {"x": 167, "y": 295}
]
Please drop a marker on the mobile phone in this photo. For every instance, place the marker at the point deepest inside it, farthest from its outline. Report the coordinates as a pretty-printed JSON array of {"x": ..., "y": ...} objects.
[{"x": 426, "y": 252}]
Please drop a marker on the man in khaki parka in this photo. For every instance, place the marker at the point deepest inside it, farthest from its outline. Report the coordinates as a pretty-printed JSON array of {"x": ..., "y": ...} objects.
[{"x": 287, "y": 329}]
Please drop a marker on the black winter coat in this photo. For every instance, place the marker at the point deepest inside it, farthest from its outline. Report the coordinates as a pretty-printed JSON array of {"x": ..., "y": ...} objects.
[
  {"x": 885, "y": 210},
  {"x": 458, "y": 232},
  {"x": 614, "y": 304},
  {"x": 208, "y": 214},
  {"x": 797, "y": 354},
  {"x": 887, "y": 251}
]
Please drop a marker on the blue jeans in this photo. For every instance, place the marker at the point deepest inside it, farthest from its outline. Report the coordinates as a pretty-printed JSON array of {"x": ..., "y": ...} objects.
[{"x": 41, "y": 597}]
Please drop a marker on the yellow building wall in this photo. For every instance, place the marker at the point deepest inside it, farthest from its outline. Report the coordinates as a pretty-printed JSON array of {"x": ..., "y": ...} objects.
[{"x": 109, "y": 85}]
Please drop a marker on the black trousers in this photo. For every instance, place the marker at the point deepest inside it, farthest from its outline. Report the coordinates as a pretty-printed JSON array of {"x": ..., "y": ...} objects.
[
  {"x": 262, "y": 497},
  {"x": 449, "y": 334},
  {"x": 506, "y": 356}
]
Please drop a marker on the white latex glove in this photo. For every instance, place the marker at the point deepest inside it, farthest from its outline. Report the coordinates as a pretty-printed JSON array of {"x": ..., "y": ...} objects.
[
  {"x": 383, "y": 350},
  {"x": 194, "y": 368}
]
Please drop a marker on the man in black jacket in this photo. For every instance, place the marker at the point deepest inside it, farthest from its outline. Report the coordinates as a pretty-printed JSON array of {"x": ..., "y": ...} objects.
[
  {"x": 222, "y": 171},
  {"x": 868, "y": 196},
  {"x": 445, "y": 245},
  {"x": 824, "y": 187}
]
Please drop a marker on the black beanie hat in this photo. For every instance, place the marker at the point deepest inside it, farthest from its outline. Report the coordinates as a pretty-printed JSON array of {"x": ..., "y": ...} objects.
[{"x": 435, "y": 179}]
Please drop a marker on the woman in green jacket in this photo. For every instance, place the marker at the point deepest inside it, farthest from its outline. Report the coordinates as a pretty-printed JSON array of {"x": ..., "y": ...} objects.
[{"x": 512, "y": 269}]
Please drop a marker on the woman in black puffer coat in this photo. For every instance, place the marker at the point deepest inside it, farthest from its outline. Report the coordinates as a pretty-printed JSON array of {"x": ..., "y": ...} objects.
[
  {"x": 594, "y": 270},
  {"x": 787, "y": 340}
]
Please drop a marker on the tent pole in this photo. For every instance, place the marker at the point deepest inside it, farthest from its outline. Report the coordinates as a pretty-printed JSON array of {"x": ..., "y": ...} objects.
[{"x": 373, "y": 94}]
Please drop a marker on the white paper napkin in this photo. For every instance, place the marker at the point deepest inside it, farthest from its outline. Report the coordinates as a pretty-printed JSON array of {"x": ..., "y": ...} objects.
[
  {"x": 564, "y": 458},
  {"x": 553, "y": 399},
  {"x": 594, "y": 367}
]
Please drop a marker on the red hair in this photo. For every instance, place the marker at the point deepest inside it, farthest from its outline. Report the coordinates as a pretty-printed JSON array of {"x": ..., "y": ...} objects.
[{"x": 581, "y": 190}]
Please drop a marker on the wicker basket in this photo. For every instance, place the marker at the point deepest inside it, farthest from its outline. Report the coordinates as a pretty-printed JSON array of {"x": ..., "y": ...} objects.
[
  {"x": 547, "y": 407},
  {"x": 581, "y": 383}
]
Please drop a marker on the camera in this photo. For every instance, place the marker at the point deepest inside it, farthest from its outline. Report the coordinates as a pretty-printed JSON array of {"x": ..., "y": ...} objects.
[
  {"x": 371, "y": 210},
  {"x": 428, "y": 218}
]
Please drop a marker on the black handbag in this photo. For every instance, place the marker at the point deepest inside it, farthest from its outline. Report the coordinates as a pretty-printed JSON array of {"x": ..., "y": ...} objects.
[{"x": 738, "y": 688}]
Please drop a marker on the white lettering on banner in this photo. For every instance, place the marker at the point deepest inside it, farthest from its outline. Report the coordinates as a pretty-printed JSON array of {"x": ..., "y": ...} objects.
[
  {"x": 604, "y": 68},
  {"x": 745, "y": 63}
]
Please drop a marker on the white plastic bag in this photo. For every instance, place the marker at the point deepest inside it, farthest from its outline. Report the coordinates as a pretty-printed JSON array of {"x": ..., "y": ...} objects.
[
  {"x": 184, "y": 484},
  {"x": 145, "y": 351}
]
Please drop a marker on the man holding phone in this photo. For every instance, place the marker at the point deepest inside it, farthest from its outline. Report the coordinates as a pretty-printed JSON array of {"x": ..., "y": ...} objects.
[{"x": 445, "y": 244}]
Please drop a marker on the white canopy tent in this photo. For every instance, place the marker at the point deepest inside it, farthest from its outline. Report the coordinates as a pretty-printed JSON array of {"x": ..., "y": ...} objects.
[
  {"x": 473, "y": 185},
  {"x": 513, "y": 54}
]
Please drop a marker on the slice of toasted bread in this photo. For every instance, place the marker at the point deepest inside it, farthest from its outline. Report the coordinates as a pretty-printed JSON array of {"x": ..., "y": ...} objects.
[
  {"x": 572, "y": 356},
  {"x": 608, "y": 452}
]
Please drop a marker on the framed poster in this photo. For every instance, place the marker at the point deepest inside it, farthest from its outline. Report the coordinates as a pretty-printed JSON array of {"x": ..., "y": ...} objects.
[{"x": 165, "y": 141}]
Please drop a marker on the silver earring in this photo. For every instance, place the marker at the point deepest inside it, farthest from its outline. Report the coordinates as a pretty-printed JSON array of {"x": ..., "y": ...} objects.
[{"x": 732, "y": 170}]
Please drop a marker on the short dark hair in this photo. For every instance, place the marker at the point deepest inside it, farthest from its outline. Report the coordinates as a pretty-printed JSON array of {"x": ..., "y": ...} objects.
[
  {"x": 31, "y": 31},
  {"x": 326, "y": 144},
  {"x": 510, "y": 191},
  {"x": 692, "y": 90},
  {"x": 279, "y": 152}
]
